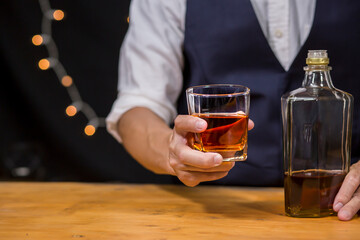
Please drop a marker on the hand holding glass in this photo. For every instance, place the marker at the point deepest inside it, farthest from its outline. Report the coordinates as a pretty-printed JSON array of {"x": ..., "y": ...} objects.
[{"x": 225, "y": 108}]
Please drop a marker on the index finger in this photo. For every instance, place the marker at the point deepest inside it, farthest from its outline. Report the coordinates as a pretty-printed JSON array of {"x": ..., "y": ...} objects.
[{"x": 348, "y": 188}]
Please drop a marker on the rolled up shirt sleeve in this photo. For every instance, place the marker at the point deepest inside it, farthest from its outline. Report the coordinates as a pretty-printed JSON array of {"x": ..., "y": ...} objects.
[{"x": 151, "y": 61}]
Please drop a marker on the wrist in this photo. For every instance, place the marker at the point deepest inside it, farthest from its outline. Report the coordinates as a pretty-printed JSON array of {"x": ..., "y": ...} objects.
[{"x": 159, "y": 143}]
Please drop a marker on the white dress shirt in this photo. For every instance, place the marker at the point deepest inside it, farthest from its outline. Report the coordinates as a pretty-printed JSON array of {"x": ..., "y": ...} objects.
[{"x": 151, "y": 60}]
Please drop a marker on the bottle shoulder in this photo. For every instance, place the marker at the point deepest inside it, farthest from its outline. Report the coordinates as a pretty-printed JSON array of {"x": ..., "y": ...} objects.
[
  {"x": 317, "y": 94},
  {"x": 345, "y": 94}
]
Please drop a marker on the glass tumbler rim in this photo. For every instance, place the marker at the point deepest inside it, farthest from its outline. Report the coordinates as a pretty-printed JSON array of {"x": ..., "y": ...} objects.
[{"x": 245, "y": 91}]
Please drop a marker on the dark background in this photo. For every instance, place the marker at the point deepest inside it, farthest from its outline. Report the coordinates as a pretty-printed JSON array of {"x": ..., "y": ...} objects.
[{"x": 35, "y": 132}]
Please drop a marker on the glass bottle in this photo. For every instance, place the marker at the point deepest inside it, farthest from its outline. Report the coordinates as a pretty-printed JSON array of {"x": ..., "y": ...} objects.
[{"x": 317, "y": 122}]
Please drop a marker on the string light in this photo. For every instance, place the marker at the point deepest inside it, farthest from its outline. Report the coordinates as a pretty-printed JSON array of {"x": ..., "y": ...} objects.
[
  {"x": 66, "y": 81},
  {"x": 128, "y": 19},
  {"x": 90, "y": 127},
  {"x": 89, "y": 130},
  {"x": 46, "y": 39},
  {"x": 71, "y": 111},
  {"x": 58, "y": 15},
  {"x": 37, "y": 40},
  {"x": 44, "y": 64}
]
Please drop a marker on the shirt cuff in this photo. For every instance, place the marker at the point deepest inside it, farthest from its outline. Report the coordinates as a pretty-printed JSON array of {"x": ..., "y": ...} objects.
[{"x": 125, "y": 102}]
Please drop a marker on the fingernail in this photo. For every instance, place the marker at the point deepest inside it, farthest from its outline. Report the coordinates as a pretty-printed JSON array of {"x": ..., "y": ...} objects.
[
  {"x": 218, "y": 160},
  {"x": 200, "y": 125},
  {"x": 345, "y": 215},
  {"x": 338, "y": 206}
]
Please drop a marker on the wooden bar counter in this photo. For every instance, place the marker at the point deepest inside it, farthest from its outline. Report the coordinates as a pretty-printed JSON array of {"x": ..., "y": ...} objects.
[{"x": 125, "y": 211}]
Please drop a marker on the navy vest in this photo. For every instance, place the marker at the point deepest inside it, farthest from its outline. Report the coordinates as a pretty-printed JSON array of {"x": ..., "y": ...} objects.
[{"x": 224, "y": 43}]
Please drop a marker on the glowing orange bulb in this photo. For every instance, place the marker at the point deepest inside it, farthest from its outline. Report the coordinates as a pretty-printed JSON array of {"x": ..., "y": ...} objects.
[
  {"x": 128, "y": 19},
  {"x": 66, "y": 81},
  {"x": 89, "y": 130},
  {"x": 71, "y": 110},
  {"x": 44, "y": 64},
  {"x": 58, "y": 15},
  {"x": 37, "y": 40}
]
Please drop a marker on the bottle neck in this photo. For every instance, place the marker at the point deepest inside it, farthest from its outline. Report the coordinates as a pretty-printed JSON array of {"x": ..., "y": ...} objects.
[{"x": 317, "y": 76}]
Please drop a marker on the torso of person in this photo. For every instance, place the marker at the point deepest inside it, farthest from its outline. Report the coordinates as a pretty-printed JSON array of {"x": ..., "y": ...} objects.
[{"x": 225, "y": 44}]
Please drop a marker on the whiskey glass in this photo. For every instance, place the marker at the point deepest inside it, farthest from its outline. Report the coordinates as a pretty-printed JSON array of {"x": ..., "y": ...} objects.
[{"x": 225, "y": 108}]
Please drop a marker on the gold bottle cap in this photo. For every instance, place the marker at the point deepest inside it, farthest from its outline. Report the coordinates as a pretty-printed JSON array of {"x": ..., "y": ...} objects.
[{"x": 317, "y": 57}]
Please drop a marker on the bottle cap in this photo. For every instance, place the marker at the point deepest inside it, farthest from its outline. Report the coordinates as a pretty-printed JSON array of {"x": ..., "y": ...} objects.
[{"x": 317, "y": 57}]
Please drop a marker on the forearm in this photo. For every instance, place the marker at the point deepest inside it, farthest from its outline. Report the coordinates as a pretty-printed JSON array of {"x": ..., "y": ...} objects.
[{"x": 146, "y": 137}]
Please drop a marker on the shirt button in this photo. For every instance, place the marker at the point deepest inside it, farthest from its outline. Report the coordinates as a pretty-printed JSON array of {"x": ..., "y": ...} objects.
[{"x": 278, "y": 33}]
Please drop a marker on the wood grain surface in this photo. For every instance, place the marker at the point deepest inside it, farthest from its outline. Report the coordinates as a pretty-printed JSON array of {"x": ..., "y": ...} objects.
[{"x": 119, "y": 211}]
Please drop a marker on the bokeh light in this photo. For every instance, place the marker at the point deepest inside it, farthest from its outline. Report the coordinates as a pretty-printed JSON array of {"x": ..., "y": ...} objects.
[
  {"x": 66, "y": 81},
  {"x": 128, "y": 19},
  {"x": 37, "y": 40},
  {"x": 52, "y": 61},
  {"x": 58, "y": 15},
  {"x": 89, "y": 130},
  {"x": 44, "y": 64},
  {"x": 71, "y": 110}
]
